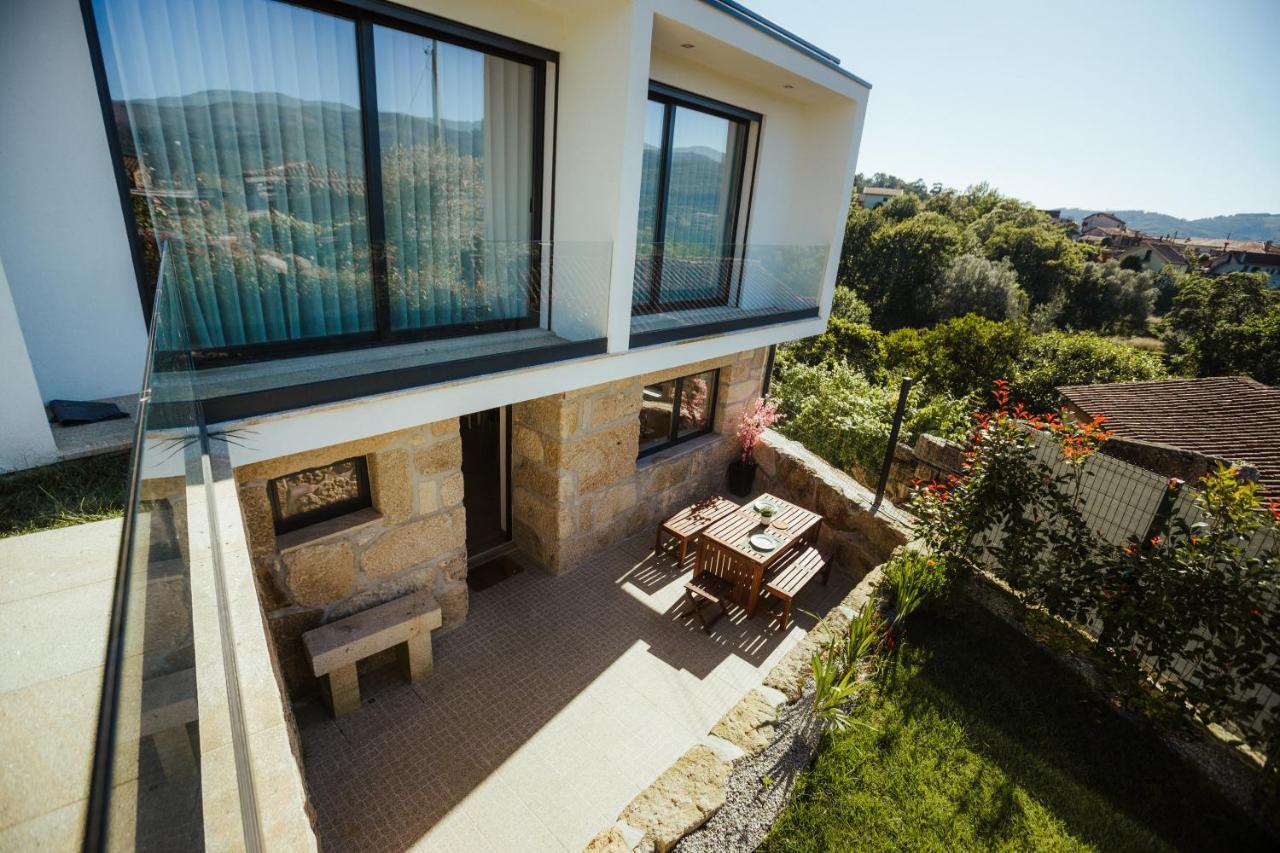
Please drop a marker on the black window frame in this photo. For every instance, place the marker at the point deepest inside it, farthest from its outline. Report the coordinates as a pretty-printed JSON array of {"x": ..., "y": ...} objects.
[
  {"x": 673, "y": 429},
  {"x": 288, "y": 524},
  {"x": 671, "y": 97},
  {"x": 364, "y": 14}
]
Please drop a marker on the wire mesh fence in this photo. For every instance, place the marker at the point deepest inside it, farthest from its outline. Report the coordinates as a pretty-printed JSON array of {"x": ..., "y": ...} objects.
[{"x": 1121, "y": 502}]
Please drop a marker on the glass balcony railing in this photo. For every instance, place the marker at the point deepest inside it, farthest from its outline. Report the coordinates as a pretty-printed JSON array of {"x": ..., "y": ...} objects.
[
  {"x": 684, "y": 291},
  {"x": 484, "y": 308},
  {"x": 169, "y": 695}
]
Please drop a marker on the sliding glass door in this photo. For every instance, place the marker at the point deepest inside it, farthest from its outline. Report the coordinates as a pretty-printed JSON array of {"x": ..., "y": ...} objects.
[
  {"x": 240, "y": 134},
  {"x": 325, "y": 176},
  {"x": 691, "y": 186},
  {"x": 456, "y": 133}
]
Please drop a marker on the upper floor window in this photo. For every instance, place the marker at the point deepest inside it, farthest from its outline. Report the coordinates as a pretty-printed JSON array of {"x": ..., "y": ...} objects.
[
  {"x": 677, "y": 410},
  {"x": 325, "y": 174},
  {"x": 691, "y": 190}
]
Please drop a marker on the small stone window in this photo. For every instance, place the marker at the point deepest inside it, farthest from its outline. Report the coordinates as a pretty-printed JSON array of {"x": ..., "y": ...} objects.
[
  {"x": 319, "y": 494},
  {"x": 677, "y": 410}
]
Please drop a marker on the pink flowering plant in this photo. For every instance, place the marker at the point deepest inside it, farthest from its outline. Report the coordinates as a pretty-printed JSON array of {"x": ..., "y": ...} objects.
[{"x": 759, "y": 416}]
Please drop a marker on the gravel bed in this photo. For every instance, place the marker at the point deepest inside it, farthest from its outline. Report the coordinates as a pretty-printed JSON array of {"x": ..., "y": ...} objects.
[{"x": 751, "y": 806}]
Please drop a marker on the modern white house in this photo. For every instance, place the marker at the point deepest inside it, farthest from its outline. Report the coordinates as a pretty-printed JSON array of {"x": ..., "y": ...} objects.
[{"x": 442, "y": 279}]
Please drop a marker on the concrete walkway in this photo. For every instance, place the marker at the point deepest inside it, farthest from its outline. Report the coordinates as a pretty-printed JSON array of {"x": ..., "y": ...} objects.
[
  {"x": 55, "y": 600},
  {"x": 555, "y": 703}
]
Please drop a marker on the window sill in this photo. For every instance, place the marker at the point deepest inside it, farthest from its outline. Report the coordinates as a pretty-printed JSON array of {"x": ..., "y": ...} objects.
[
  {"x": 325, "y": 531},
  {"x": 693, "y": 445}
]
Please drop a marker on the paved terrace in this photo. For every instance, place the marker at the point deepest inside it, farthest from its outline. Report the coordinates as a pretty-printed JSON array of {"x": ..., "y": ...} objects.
[{"x": 555, "y": 703}]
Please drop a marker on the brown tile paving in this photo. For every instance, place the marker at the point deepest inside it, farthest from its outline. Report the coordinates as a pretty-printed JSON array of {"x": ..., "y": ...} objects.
[{"x": 556, "y": 701}]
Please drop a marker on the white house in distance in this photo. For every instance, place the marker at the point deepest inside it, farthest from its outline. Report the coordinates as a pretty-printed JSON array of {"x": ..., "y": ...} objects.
[
  {"x": 440, "y": 278},
  {"x": 872, "y": 197}
]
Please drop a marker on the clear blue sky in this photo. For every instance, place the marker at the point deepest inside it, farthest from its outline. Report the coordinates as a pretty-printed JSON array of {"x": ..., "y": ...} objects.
[{"x": 1171, "y": 106}]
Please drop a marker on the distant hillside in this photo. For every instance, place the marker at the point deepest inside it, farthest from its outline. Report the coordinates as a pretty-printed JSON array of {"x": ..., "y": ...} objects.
[{"x": 1238, "y": 226}]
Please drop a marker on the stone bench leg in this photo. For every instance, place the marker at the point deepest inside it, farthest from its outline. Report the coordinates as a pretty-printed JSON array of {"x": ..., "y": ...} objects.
[
  {"x": 174, "y": 748},
  {"x": 415, "y": 656},
  {"x": 342, "y": 689}
]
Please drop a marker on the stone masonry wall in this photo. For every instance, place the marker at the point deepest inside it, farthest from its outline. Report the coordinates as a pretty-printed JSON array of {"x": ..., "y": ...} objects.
[
  {"x": 413, "y": 538},
  {"x": 576, "y": 484}
]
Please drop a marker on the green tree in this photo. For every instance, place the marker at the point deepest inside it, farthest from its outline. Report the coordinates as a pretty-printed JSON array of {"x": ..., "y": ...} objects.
[
  {"x": 1225, "y": 325},
  {"x": 958, "y": 357},
  {"x": 844, "y": 342},
  {"x": 1047, "y": 262},
  {"x": 1111, "y": 298},
  {"x": 904, "y": 263},
  {"x": 974, "y": 285},
  {"x": 1054, "y": 359}
]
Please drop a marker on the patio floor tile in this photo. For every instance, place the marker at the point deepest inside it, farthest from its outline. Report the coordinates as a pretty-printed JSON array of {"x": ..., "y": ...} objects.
[{"x": 554, "y": 704}]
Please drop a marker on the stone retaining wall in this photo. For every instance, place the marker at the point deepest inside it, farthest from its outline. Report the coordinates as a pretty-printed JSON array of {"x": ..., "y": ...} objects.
[
  {"x": 413, "y": 538},
  {"x": 857, "y": 537},
  {"x": 577, "y": 487}
]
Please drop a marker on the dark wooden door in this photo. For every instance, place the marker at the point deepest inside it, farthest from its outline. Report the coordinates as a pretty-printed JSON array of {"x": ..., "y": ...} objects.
[{"x": 485, "y": 479}]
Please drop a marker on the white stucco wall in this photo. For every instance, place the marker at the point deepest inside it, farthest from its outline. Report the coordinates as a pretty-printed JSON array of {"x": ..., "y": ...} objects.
[
  {"x": 62, "y": 231},
  {"x": 63, "y": 238},
  {"x": 25, "y": 439}
]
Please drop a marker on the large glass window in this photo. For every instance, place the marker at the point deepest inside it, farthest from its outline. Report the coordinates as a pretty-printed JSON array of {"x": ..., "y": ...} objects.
[
  {"x": 240, "y": 130},
  {"x": 456, "y": 129},
  {"x": 691, "y": 186},
  {"x": 246, "y": 138},
  {"x": 677, "y": 410}
]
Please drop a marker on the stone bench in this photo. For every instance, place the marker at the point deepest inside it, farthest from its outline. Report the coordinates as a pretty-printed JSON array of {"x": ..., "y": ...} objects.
[{"x": 405, "y": 623}]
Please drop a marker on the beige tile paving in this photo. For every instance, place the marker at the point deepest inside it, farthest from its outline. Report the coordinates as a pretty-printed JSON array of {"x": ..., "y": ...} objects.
[
  {"x": 55, "y": 602},
  {"x": 555, "y": 703}
]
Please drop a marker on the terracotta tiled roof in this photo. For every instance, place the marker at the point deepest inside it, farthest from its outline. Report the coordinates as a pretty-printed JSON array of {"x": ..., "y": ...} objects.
[{"x": 1226, "y": 416}]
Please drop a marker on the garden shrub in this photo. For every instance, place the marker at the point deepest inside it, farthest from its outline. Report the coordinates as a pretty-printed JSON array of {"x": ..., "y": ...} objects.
[
  {"x": 1189, "y": 596},
  {"x": 839, "y": 414},
  {"x": 960, "y": 356},
  {"x": 844, "y": 341},
  {"x": 1054, "y": 359}
]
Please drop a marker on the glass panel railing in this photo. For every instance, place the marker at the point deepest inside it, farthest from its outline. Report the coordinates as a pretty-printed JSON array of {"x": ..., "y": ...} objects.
[
  {"x": 488, "y": 307},
  {"x": 683, "y": 291},
  {"x": 167, "y": 698}
]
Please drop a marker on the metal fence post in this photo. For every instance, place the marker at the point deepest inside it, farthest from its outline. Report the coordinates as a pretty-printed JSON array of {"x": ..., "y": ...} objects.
[{"x": 893, "y": 441}]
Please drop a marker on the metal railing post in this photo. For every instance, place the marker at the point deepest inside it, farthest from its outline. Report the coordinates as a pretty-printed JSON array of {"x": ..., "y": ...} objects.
[{"x": 893, "y": 441}]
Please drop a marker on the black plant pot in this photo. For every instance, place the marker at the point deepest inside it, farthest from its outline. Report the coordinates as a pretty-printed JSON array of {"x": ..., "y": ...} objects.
[{"x": 742, "y": 475}]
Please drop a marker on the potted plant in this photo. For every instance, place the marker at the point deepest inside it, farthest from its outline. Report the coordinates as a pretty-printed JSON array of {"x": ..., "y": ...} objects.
[{"x": 759, "y": 416}]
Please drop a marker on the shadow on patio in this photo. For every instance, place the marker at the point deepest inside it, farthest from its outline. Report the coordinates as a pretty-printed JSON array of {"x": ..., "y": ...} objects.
[{"x": 555, "y": 703}]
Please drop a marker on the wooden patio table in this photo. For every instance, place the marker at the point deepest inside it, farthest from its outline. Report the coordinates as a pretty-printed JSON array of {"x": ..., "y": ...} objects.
[{"x": 725, "y": 550}]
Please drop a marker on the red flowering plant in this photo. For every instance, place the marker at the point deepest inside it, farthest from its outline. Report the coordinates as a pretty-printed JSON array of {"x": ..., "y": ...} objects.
[
  {"x": 1190, "y": 608},
  {"x": 759, "y": 416},
  {"x": 1007, "y": 510}
]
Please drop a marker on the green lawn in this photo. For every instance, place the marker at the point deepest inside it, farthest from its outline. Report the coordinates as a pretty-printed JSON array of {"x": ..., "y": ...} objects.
[
  {"x": 63, "y": 494},
  {"x": 979, "y": 740}
]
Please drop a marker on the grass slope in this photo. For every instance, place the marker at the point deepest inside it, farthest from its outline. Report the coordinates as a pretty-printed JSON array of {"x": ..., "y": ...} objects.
[
  {"x": 978, "y": 740},
  {"x": 63, "y": 494}
]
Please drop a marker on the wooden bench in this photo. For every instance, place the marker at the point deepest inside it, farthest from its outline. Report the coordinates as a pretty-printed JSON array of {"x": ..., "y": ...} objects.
[
  {"x": 792, "y": 571},
  {"x": 686, "y": 524},
  {"x": 337, "y": 647},
  {"x": 707, "y": 590}
]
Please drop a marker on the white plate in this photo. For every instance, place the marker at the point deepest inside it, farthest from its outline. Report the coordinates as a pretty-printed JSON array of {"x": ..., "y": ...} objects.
[{"x": 762, "y": 543}]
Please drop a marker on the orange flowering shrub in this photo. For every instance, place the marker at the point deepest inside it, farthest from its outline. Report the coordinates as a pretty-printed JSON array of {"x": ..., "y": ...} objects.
[{"x": 1192, "y": 608}]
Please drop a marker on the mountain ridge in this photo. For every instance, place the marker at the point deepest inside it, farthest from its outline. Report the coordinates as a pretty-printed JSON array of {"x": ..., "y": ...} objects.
[{"x": 1237, "y": 226}]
